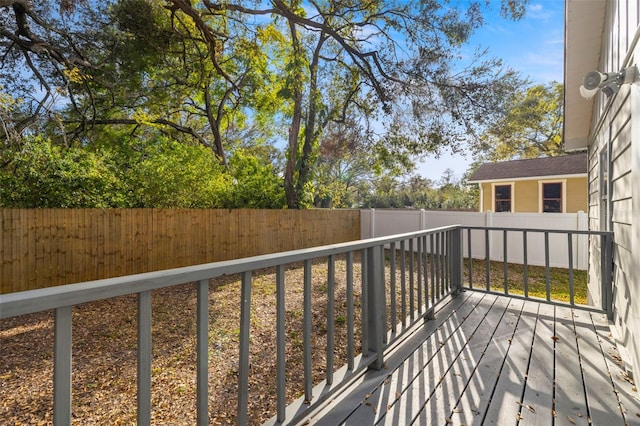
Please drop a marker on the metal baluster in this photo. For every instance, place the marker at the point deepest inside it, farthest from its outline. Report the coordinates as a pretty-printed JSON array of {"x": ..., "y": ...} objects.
[
  {"x": 364, "y": 272},
  {"x": 202, "y": 353},
  {"x": 243, "y": 361},
  {"x": 350, "y": 336},
  {"x": 144, "y": 358},
  {"x": 546, "y": 265},
  {"x": 392, "y": 285},
  {"x": 570, "y": 254},
  {"x": 504, "y": 263},
  {"x": 487, "y": 260},
  {"x": 280, "y": 345},
  {"x": 306, "y": 332},
  {"x": 331, "y": 278},
  {"x": 419, "y": 267},
  {"x": 62, "y": 366},
  {"x": 403, "y": 285},
  {"x": 525, "y": 266},
  {"x": 411, "y": 280},
  {"x": 469, "y": 256}
]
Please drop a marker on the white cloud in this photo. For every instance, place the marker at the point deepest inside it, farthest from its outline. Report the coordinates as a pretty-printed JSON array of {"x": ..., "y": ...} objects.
[
  {"x": 538, "y": 11},
  {"x": 535, "y": 7}
]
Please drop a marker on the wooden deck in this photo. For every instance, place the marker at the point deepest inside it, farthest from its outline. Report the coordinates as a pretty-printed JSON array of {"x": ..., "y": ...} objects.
[{"x": 490, "y": 359}]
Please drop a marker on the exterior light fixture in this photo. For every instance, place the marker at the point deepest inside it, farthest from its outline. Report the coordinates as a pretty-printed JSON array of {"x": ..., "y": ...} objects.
[{"x": 609, "y": 82}]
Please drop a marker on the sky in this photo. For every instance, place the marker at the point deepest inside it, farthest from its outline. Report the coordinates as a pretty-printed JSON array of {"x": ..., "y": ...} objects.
[{"x": 533, "y": 46}]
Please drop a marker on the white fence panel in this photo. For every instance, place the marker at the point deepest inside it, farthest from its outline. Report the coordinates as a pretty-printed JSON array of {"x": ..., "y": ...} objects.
[{"x": 377, "y": 223}]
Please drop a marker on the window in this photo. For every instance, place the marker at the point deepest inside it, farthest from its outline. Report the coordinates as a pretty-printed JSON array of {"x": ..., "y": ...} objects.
[
  {"x": 503, "y": 198},
  {"x": 552, "y": 197}
]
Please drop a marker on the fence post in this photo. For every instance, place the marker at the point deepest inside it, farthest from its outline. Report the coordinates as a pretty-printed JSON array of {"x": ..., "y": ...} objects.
[
  {"x": 376, "y": 304},
  {"x": 372, "y": 224}
]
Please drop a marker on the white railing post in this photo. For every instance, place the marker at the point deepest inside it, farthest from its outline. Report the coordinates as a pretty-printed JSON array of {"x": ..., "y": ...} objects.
[{"x": 372, "y": 224}]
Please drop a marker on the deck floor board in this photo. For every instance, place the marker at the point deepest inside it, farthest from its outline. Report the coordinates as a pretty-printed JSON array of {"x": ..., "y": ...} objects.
[{"x": 491, "y": 359}]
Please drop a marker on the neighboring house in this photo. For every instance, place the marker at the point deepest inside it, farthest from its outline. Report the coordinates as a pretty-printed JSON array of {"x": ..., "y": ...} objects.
[
  {"x": 603, "y": 36},
  {"x": 537, "y": 185}
]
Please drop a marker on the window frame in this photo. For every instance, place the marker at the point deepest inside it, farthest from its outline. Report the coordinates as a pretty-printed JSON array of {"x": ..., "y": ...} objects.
[
  {"x": 512, "y": 200},
  {"x": 563, "y": 194}
]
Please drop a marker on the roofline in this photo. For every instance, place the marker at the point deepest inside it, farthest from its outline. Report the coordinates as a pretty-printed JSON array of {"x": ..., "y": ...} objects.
[
  {"x": 583, "y": 30},
  {"x": 546, "y": 177}
]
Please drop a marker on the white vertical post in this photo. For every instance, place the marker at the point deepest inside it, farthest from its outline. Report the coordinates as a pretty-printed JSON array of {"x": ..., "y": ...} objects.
[
  {"x": 423, "y": 219},
  {"x": 372, "y": 224}
]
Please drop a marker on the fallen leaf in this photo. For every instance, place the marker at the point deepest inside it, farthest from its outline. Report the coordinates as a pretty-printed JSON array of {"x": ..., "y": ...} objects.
[
  {"x": 533, "y": 410},
  {"x": 448, "y": 420},
  {"x": 555, "y": 338},
  {"x": 518, "y": 416},
  {"x": 571, "y": 419},
  {"x": 368, "y": 404}
]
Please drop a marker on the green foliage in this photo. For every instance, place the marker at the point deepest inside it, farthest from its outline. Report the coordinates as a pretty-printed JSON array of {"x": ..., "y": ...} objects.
[
  {"x": 446, "y": 194},
  {"x": 38, "y": 173},
  {"x": 126, "y": 172},
  {"x": 153, "y": 100},
  {"x": 254, "y": 184},
  {"x": 531, "y": 126},
  {"x": 173, "y": 174}
]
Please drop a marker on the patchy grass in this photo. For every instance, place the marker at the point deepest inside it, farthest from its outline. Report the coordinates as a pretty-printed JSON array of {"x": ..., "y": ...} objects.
[
  {"x": 104, "y": 347},
  {"x": 558, "y": 280}
]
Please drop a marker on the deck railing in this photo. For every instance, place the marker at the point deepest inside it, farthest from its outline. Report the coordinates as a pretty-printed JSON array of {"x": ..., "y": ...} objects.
[
  {"x": 531, "y": 239},
  {"x": 403, "y": 278}
]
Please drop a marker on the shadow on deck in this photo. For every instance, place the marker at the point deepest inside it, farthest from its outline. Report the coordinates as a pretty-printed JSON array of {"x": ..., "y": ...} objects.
[{"x": 491, "y": 359}]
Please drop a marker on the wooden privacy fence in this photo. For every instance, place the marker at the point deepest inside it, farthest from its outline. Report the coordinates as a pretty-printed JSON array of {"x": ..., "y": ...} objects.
[{"x": 48, "y": 247}]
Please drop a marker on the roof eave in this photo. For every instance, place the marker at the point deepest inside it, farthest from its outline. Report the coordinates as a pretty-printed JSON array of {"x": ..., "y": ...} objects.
[
  {"x": 542, "y": 177},
  {"x": 584, "y": 25}
]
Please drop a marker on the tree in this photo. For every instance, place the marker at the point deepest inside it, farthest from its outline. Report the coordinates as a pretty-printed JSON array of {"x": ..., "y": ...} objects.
[
  {"x": 531, "y": 126},
  {"x": 208, "y": 71}
]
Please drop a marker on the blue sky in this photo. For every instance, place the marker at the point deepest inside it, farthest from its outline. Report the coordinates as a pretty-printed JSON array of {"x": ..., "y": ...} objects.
[{"x": 533, "y": 46}]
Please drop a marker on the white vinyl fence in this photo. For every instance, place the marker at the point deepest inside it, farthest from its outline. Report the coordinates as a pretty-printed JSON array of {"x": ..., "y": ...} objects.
[{"x": 377, "y": 223}]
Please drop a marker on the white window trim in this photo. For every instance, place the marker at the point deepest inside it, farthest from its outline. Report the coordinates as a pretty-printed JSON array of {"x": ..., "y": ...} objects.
[
  {"x": 513, "y": 195},
  {"x": 541, "y": 193}
]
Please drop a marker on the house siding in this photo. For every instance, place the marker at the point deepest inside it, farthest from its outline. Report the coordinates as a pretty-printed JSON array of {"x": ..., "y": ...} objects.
[
  {"x": 526, "y": 196},
  {"x": 487, "y": 201},
  {"x": 576, "y": 195},
  {"x": 615, "y": 131}
]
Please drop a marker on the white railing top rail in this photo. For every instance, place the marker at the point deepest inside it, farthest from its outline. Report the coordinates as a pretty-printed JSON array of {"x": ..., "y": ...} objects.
[{"x": 31, "y": 301}]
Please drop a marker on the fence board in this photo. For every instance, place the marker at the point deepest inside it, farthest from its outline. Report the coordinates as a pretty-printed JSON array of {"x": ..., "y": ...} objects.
[{"x": 46, "y": 247}]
